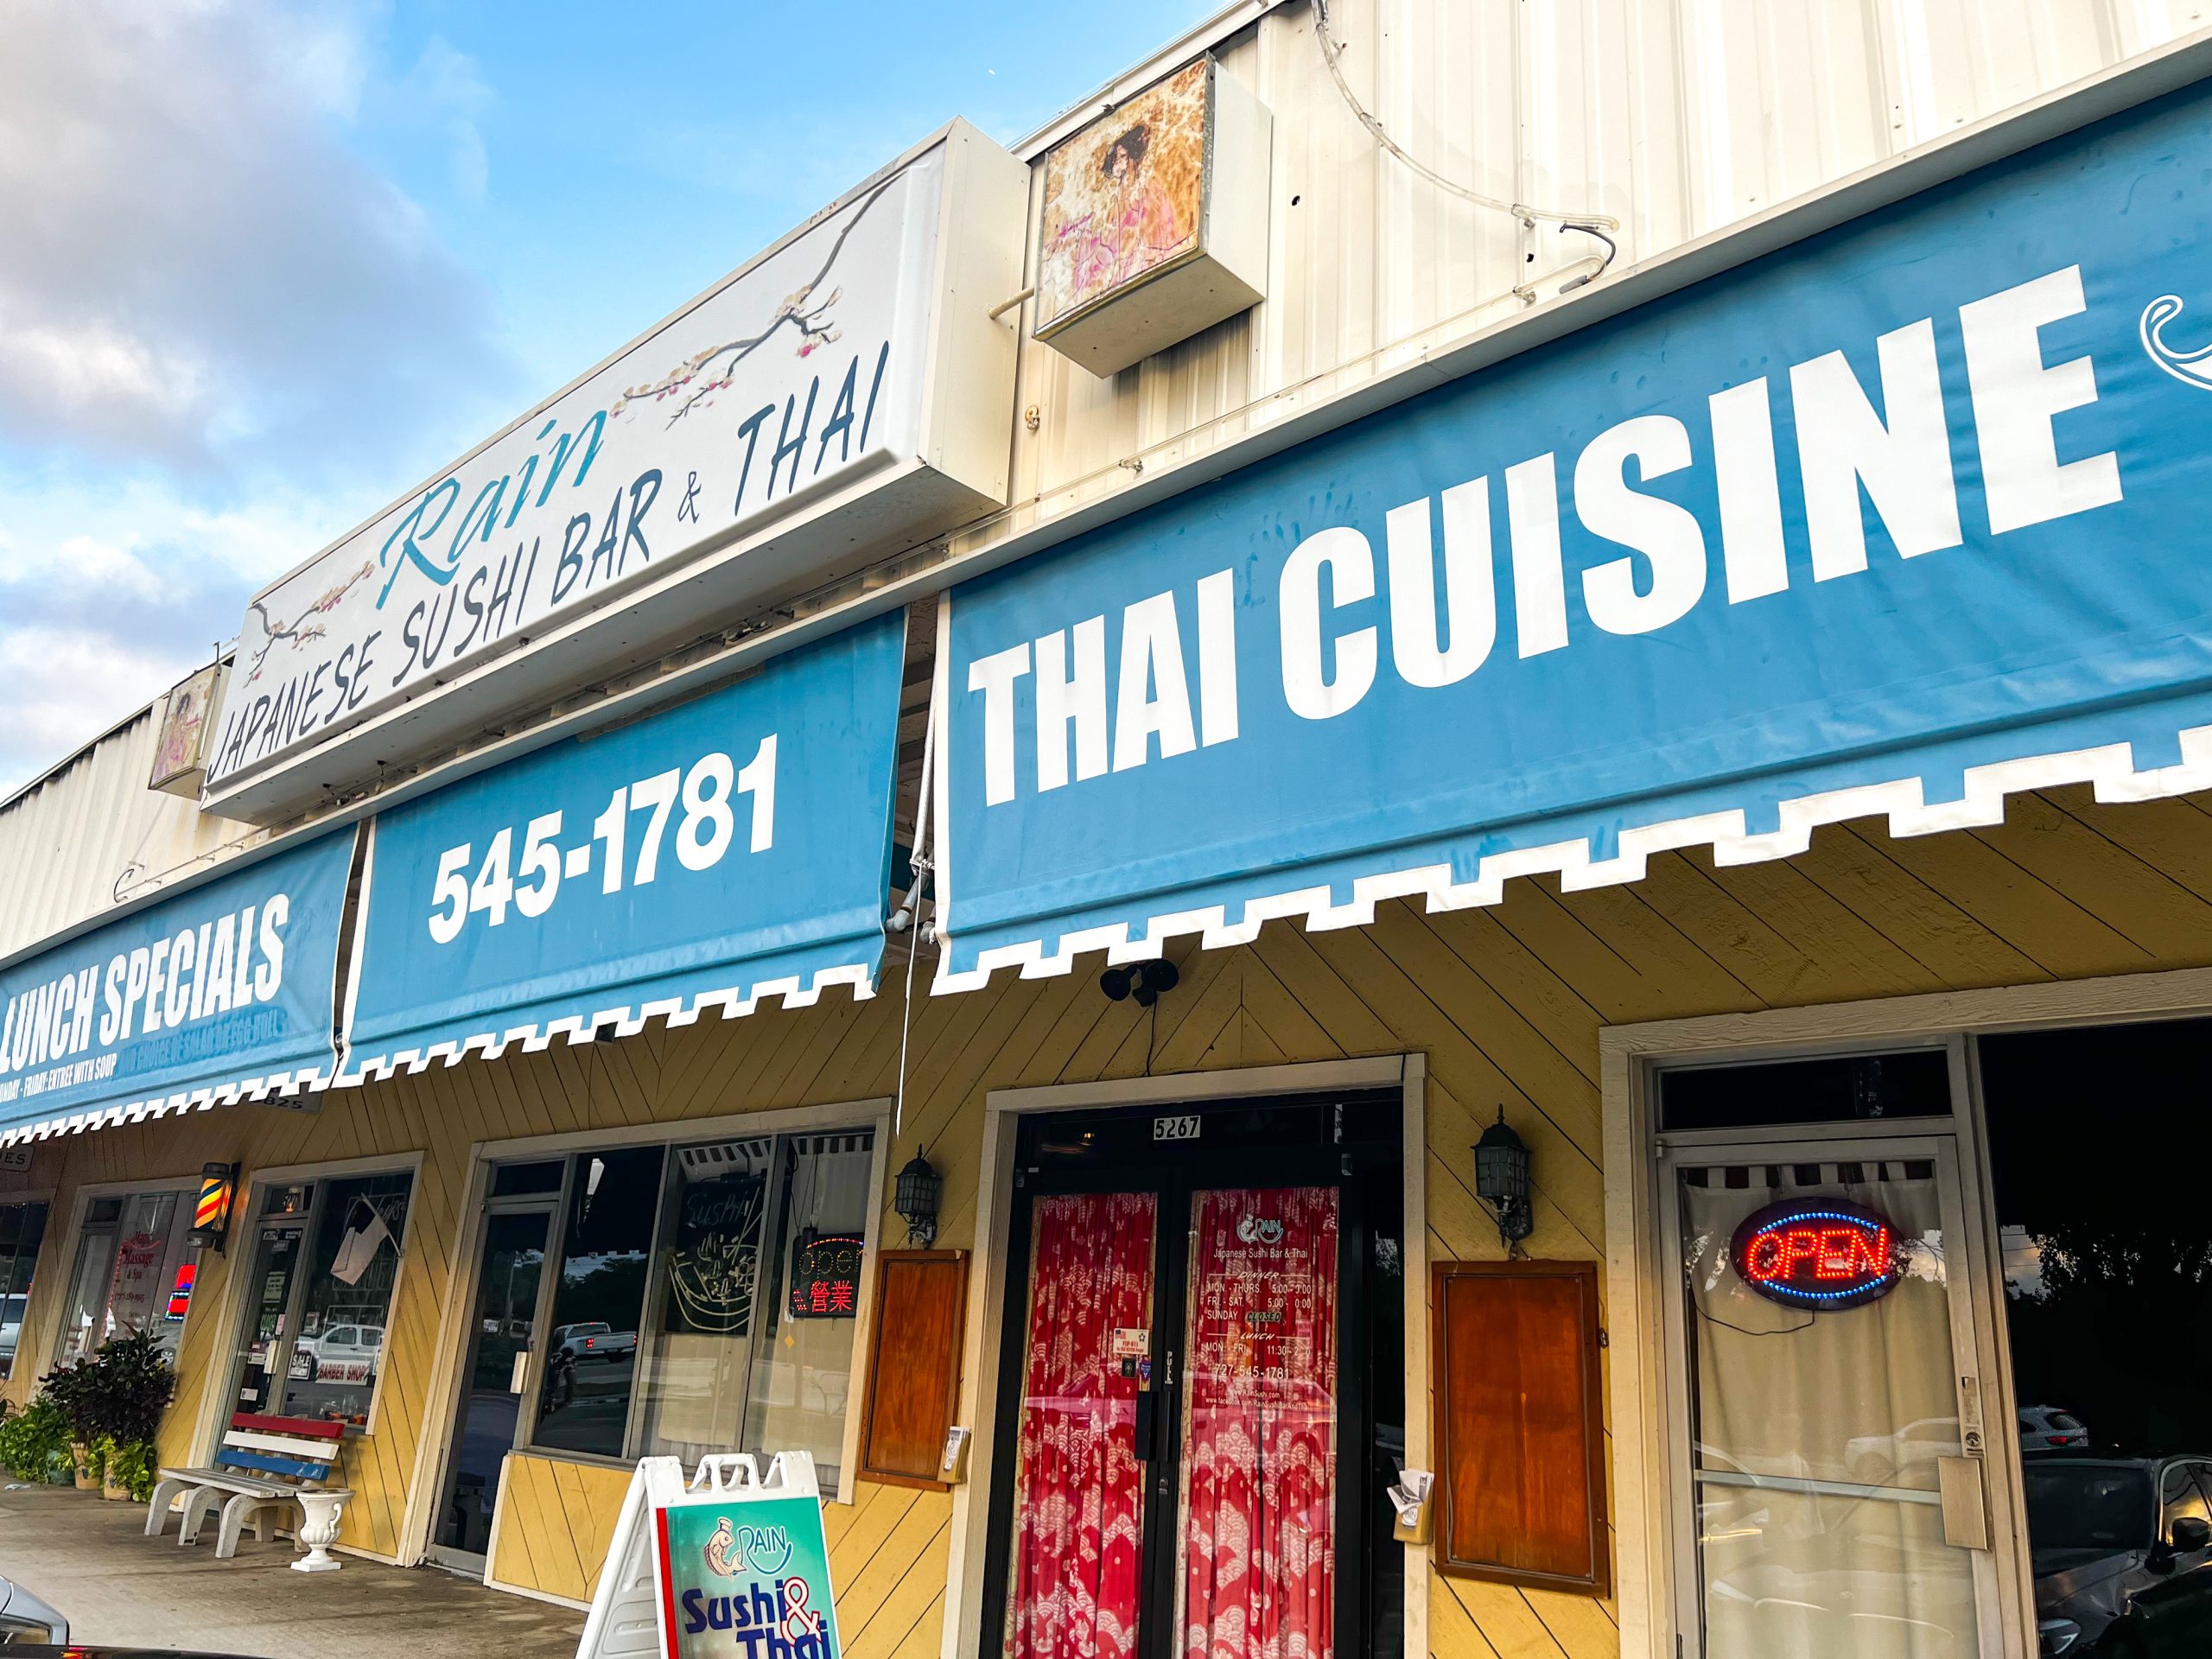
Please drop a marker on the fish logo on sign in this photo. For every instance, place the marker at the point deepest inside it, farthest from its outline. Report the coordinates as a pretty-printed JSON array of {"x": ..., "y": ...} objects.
[
  {"x": 1257, "y": 1230},
  {"x": 763, "y": 1550},
  {"x": 2192, "y": 367}
]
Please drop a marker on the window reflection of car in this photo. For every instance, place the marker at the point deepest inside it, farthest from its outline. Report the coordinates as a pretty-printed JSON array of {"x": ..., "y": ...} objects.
[
  {"x": 11, "y": 1326},
  {"x": 592, "y": 1339},
  {"x": 580, "y": 1350},
  {"x": 340, "y": 1353},
  {"x": 1750, "y": 1516},
  {"x": 2122, "y": 1553},
  {"x": 2043, "y": 1426}
]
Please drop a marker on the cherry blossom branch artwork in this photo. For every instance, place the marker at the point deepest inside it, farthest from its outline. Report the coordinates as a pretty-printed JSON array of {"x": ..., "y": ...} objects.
[
  {"x": 799, "y": 309},
  {"x": 304, "y": 628}
]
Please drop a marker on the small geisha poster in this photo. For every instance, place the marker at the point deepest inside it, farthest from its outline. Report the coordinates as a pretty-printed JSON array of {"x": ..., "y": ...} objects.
[
  {"x": 746, "y": 1576},
  {"x": 1125, "y": 197}
]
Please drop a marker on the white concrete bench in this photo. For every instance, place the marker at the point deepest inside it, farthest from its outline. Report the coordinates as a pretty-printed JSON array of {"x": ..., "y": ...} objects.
[{"x": 264, "y": 1464}]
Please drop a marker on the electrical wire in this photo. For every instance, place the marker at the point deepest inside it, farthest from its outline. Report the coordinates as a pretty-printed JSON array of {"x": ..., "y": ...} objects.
[
  {"x": 1566, "y": 220},
  {"x": 917, "y": 865}
]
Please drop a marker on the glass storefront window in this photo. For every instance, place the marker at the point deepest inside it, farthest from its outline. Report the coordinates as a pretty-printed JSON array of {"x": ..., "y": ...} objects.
[
  {"x": 590, "y": 1363},
  {"x": 127, "y": 1251},
  {"x": 318, "y": 1295},
  {"x": 2097, "y": 1157},
  {"x": 346, "y": 1302},
  {"x": 1842, "y": 1089},
  {"x": 22, "y": 1229},
  {"x": 706, "y": 1298},
  {"x": 761, "y": 1269},
  {"x": 802, "y": 1366},
  {"x": 710, "y": 1305}
]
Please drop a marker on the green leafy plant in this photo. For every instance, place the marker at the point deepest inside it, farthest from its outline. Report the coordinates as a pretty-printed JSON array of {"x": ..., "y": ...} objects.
[
  {"x": 32, "y": 1439},
  {"x": 132, "y": 1467},
  {"x": 112, "y": 1404},
  {"x": 72, "y": 1390},
  {"x": 133, "y": 1385}
]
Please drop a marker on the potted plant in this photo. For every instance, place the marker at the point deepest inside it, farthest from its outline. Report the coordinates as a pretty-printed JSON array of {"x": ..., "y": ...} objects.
[
  {"x": 132, "y": 1386},
  {"x": 34, "y": 1440},
  {"x": 71, "y": 1388},
  {"x": 110, "y": 1459},
  {"x": 113, "y": 1402},
  {"x": 129, "y": 1472}
]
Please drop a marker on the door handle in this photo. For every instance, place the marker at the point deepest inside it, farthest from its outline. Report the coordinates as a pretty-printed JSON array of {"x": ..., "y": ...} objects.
[{"x": 522, "y": 1364}]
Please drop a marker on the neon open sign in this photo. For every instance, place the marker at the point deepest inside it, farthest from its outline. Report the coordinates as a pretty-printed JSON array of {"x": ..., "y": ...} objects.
[{"x": 1817, "y": 1253}]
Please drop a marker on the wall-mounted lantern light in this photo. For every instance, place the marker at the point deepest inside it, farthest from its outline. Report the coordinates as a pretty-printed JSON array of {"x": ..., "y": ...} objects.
[
  {"x": 1502, "y": 1163},
  {"x": 211, "y": 1217},
  {"x": 915, "y": 1199}
]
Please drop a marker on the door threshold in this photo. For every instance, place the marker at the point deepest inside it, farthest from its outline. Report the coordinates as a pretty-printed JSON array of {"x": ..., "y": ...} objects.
[{"x": 471, "y": 1568}]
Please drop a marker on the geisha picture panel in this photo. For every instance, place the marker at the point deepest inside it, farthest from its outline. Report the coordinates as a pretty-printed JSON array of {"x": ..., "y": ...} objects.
[
  {"x": 1173, "y": 183},
  {"x": 1125, "y": 196}
]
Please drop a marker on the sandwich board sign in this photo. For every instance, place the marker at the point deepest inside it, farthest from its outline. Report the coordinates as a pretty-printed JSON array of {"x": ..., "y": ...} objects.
[{"x": 731, "y": 1565}]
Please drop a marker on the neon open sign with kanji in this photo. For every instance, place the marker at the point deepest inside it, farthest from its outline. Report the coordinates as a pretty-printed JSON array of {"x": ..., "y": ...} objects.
[
  {"x": 826, "y": 1277},
  {"x": 1817, "y": 1253}
]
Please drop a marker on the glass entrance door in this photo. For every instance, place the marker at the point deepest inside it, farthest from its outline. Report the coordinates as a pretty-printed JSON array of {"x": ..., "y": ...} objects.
[
  {"x": 1086, "y": 1428},
  {"x": 1192, "y": 1448},
  {"x": 1258, "y": 1450},
  {"x": 265, "y": 1360},
  {"x": 1829, "y": 1406},
  {"x": 502, "y": 1331}
]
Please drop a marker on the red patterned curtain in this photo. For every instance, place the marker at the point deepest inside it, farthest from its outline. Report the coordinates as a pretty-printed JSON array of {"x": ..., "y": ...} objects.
[
  {"x": 1080, "y": 1501},
  {"x": 1259, "y": 1533}
]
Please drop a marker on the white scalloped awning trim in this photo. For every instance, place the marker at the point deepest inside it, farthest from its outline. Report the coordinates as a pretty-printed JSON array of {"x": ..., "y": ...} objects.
[
  {"x": 2110, "y": 768},
  {"x": 277, "y": 1083},
  {"x": 627, "y": 1020}
]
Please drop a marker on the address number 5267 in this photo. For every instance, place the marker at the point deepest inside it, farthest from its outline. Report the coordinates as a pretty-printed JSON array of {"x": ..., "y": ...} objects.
[{"x": 701, "y": 800}]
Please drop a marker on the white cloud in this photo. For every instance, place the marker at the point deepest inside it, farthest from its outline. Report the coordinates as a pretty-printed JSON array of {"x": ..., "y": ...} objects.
[
  {"x": 224, "y": 338},
  {"x": 198, "y": 271},
  {"x": 69, "y": 684},
  {"x": 109, "y": 596}
]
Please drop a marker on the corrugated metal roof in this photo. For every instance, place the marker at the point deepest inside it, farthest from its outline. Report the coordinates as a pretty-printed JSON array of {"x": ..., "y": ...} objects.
[
  {"x": 89, "y": 834},
  {"x": 1676, "y": 117}
]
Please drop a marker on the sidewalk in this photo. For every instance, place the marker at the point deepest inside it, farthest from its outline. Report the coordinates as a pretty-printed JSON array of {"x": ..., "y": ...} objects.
[{"x": 91, "y": 1561}]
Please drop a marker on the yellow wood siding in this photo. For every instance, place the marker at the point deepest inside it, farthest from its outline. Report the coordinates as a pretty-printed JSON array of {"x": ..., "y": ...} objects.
[
  {"x": 556, "y": 1519},
  {"x": 887, "y": 1548},
  {"x": 1506, "y": 1002}
]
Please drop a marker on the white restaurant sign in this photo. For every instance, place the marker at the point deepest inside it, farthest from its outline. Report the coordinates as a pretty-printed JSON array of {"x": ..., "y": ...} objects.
[{"x": 812, "y": 383}]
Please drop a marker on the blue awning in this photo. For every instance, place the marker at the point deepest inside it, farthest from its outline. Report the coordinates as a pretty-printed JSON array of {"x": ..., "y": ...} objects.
[
  {"x": 1892, "y": 522},
  {"x": 733, "y": 847},
  {"x": 219, "y": 993}
]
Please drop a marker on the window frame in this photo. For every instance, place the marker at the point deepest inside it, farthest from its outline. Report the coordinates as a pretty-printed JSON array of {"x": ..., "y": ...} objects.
[
  {"x": 27, "y": 1345},
  {"x": 220, "y": 1400},
  {"x": 81, "y": 1202},
  {"x": 1648, "y": 1539},
  {"x": 873, "y": 1115}
]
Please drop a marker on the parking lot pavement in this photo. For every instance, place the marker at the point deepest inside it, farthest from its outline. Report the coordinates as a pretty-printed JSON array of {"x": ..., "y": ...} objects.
[{"x": 92, "y": 1561}]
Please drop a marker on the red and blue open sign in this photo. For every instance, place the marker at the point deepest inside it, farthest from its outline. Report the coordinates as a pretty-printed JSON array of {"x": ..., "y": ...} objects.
[{"x": 1817, "y": 1253}]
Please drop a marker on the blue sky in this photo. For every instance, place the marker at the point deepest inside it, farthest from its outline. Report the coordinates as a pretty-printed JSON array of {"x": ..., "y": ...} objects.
[{"x": 269, "y": 263}]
